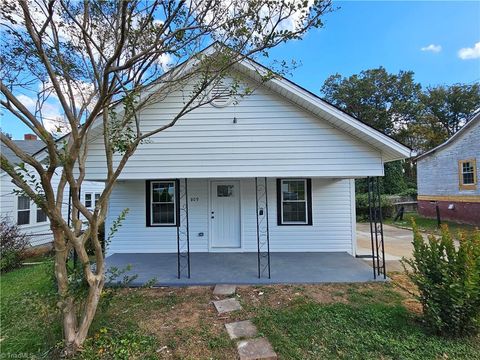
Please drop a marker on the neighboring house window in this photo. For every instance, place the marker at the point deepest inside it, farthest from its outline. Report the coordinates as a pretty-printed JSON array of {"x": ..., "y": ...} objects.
[
  {"x": 91, "y": 200},
  {"x": 23, "y": 210},
  {"x": 41, "y": 216},
  {"x": 162, "y": 199},
  {"x": 88, "y": 200},
  {"x": 467, "y": 172},
  {"x": 294, "y": 201}
]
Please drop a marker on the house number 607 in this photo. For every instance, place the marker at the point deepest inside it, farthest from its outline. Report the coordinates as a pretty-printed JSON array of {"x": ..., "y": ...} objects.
[{"x": 194, "y": 199}]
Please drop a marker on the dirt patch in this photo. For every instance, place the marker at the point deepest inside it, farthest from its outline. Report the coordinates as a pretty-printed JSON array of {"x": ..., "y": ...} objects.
[{"x": 186, "y": 324}]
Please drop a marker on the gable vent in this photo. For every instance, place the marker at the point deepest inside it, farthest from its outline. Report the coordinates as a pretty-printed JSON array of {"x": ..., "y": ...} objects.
[{"x": 220, "y": 95}]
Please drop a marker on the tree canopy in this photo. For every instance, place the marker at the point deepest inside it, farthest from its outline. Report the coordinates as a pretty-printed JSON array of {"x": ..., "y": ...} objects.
[{"x": 398, "y": 106}]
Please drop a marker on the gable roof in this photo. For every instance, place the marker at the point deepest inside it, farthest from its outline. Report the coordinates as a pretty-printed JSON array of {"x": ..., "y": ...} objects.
[
  {"x": 390, "y": 148},
  {"x": 28, "y": 146},
  {"x": 475, "y": 119}
]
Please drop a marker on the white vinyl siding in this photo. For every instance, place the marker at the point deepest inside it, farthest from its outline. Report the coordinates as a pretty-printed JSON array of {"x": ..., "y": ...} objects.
[
  {"x": 38, "y": 231},
  {"x": 331, "y": 211},
  {"x": 263, "y": 135}
]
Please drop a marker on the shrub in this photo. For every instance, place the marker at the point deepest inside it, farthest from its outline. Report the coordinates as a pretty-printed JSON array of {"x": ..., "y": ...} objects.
[
  {"x": 410, "y": 192},
  {"x": 362, "y": 210},
  {"x": 12, "y": 245},
  {"x": 448, "y": 280}
]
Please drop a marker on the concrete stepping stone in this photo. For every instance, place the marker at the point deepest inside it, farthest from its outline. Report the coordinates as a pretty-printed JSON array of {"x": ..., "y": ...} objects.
[
  {"x": 241, "y": 329},
  {"x": 224, "y": 290},
  {"x": 227, "y": 305},
  {"x": 254, "y": 349}
]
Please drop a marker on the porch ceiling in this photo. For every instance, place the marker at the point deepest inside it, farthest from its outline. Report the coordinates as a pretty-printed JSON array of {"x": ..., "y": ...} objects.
[{"x": 241, "y": 268}]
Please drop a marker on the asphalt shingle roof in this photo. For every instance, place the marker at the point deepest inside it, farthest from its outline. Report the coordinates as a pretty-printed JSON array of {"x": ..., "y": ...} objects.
[{"x": 29, "y": 146}]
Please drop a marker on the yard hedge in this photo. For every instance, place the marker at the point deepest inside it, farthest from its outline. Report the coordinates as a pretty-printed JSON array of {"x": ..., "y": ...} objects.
[
  {"x": 448, "y": 279},
  {"x": 362, "y": 210}
]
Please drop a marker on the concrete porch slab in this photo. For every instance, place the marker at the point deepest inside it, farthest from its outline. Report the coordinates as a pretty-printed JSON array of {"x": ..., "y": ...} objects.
[{"x": 241, "y": 268}]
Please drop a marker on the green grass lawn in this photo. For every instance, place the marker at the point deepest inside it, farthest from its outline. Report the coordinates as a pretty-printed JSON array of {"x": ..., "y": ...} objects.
[
  {"x": 330, "y": 321},
  {"x": 428, "y": 225},
  {"x": 363, "y": 328}
]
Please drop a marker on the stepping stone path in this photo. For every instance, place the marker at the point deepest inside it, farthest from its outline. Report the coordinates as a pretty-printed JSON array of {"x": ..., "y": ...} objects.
[
  {"x": 254, "y": 349},
  {"x": 227, "y": 305},
  {"x": 251, "y": 348},
  {"x": 241, "y": 329},
  {"x": 224, "y": 290}
]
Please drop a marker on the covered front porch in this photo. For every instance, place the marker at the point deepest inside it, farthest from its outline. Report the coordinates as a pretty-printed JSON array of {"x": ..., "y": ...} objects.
[{"x": 242, "y": 268}]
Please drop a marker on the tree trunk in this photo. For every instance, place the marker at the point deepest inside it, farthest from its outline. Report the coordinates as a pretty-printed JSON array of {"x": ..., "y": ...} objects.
[
  {"x": 74, "y": 335},
  {"x": 66, "y": 303}
]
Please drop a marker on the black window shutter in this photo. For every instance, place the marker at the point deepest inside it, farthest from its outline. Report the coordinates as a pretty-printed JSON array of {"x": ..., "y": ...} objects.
[
  {"x": 177, "y": 202},
  {"x": 147, "y": 203},
  {"x": 279, "y": 201},
  {"x": 309, "y": 201}
]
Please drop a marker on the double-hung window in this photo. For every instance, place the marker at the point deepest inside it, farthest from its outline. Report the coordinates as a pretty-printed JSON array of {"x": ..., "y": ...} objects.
[
  {"x": 23, "y": 210},
  {"x": 41, "y": 215},
  {"x": 467, "y": 174},
  {"x": 162, "y": 203},
  {"x": 294, "y": 198},
  {"x": 91, "y": 200}
]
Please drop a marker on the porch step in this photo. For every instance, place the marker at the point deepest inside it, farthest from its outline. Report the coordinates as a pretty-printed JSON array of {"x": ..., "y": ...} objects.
[
  {"x": 224, "y": 290},
  {"x": 254, "y": 349},
  {"x": 227, "y": 305},
  {"x": 241, "y": 329}
]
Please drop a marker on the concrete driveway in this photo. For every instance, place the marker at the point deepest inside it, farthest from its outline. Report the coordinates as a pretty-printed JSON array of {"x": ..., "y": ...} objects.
[{"x": 398, "y": 244}]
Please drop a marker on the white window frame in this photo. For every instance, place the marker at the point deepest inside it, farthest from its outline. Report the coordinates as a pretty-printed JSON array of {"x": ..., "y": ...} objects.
[
  {"x": 461, "y": 173},
  {"x": 174, "y": 202},
  {"x": 93, "y": 199},
  {"x": 283, "y": 222}
]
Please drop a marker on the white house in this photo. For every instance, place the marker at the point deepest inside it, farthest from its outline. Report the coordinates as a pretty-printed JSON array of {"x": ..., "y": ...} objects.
[
  {"x": 211, "y": 183},
  {"x": 20, "y": 210}
]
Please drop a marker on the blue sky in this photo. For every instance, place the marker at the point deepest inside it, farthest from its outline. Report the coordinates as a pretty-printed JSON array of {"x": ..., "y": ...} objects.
[{"x": 364, "y": 35}]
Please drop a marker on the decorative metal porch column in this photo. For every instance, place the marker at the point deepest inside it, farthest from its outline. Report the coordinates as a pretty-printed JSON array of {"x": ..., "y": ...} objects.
[
  {"x": 376, "y": 227},
  {"x": 263, "y": 236},
  {"x": 183, "y": 240}
]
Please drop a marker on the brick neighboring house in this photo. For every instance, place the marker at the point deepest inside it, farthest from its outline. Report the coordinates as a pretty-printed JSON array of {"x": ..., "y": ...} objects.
[{"x": 448, "y": 176}]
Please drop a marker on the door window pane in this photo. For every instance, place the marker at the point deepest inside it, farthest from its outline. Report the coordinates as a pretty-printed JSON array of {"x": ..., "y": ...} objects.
[{"x": 224, "y": 190}]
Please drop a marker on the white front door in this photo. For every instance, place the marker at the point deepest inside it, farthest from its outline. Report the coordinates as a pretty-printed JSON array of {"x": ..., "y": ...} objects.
[{"x": 225, "y": 215}]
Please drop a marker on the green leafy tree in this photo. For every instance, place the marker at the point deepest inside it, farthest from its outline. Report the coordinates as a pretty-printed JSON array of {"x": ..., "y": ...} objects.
[
  {"x": 447, "y": 108},
  {"x": 103, "y": 62},
  {"x": 388, "y": 102}
]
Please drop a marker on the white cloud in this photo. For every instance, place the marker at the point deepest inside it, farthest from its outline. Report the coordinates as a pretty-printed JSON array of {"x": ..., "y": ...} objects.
[
  {"x": 432, "y": 48},
  {"x": 51, "y": 115},
  {"x": 470, "y": 53}
]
